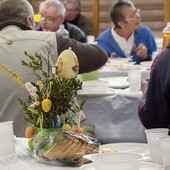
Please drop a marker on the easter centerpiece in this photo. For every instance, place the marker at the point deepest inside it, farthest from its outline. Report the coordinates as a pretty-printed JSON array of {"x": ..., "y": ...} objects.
[{"x": 55, "y": 134}]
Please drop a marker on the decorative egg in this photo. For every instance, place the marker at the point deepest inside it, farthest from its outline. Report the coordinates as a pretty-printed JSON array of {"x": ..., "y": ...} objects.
[
  {"x": 67, "y": 64},
  {"x": 46, "y": 105}
]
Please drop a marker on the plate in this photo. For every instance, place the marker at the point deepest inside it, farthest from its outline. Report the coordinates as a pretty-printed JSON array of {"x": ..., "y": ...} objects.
[
  {"x": 96, "y": 91},
  {"x": 137, "y": 148},
  {"x": 143, "y": 166},
  {"x": 128, "y": 67},
  {"x": 3, "y": 166},
  {"x": 116, "y": 82},
  {"x": 128, "y": 92},
  {"x": 94, "y": 83}
]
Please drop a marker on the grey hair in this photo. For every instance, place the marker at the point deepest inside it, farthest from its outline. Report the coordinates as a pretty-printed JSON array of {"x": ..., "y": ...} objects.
[
  {"x": 61, "y": 10},
  {"x": 76, "y": 3},
  {"x": 15, "y": 10}
]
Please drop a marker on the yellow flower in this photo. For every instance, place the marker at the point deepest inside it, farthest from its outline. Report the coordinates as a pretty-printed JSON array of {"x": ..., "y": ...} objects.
[
  {"x": 41, "y": 85},
  {"x": 14, "y": 76},
  {"x": 9, "y": 71},
  {"x": 20, "y": 82}
]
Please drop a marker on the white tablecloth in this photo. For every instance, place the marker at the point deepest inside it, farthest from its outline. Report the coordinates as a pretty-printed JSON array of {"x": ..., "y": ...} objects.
[
  {"x": 115, "y": 117},
  {"x": 23, "y": 160}
]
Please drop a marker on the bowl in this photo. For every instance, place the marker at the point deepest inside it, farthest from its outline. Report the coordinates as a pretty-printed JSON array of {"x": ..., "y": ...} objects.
[{"x": 117, "y": 161}]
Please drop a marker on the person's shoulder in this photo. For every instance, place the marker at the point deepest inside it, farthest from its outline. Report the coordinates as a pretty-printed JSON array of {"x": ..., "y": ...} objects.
[
  {"x": 145, "y": 28},
  {"x": 41, "y": 32},
  {"x": 76, "y": 33},
  {"x": 74, "y": 28},
  {"x": 83, "y": 17},
  {"x": 105, "y": 33},
  {"x": 44, "y": 35}
]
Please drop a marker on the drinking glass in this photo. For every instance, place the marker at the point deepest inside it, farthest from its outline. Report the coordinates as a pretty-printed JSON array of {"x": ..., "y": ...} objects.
[
  {"x": 7, "y": 145},
  {"x": 165, "y": 148},
  {"x": 90, "y": 39},
  {"x": 134, "y": 78},
  {"x": 152, "y": 136}
]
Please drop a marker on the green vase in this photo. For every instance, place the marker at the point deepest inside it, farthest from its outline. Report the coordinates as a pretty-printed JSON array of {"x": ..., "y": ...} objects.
[{"x": 46, "y": 130}]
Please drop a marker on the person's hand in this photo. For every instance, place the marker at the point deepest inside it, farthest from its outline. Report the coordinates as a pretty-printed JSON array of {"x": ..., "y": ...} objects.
[
  {"x": 144, "y": 85},
  {"x": 141, "y": 51},
  {"x": 112, "y": 55}
]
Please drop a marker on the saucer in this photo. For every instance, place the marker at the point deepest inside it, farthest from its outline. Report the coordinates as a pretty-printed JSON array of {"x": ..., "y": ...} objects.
[{"x": 143, "y": 166}]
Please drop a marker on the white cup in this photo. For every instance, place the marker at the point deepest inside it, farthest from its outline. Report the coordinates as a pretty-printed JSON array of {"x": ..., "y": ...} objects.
[
  {"x": 90, "y": 39},
  {"x": 7, "y": 144},
  {"x": 165, "y": 148},
  {"x": 134, "y": 78},
  {"x": 117, "y": 161},
  {"x": 145, "y": 74},
  {"x": 152, "y": 136}
]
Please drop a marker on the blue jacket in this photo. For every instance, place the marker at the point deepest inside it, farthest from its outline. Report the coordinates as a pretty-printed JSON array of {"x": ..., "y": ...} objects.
[{"x": 142, "y": 35}]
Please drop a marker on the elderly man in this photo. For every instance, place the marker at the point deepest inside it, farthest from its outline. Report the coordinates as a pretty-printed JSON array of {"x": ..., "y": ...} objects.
[
  {"x": 74, "y": 16},
  {"x": 53, "y": 15},
  {"x": 16, "y": 38}
]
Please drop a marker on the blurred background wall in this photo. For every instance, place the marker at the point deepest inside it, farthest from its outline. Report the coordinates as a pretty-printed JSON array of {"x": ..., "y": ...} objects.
[{"x": 154, "y": 13}]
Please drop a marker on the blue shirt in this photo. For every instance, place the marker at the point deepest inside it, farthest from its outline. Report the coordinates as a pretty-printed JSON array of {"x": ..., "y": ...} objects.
[{"x": 142, "y": 35}]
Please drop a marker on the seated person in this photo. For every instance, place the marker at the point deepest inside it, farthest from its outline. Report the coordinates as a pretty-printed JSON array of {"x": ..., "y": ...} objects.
[
  {"x": 154, "y": 109},
  {"x": 74, "y": 16},
  {"x": 17, "y": 36},
  {"x": 127, "y": 37},
  {"x": 53, "y": 15}
]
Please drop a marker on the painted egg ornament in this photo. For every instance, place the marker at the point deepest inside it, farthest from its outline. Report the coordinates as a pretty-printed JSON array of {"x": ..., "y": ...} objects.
[
  {"x": 67, "y": 64},
  {"x": 46, "y": 105}
]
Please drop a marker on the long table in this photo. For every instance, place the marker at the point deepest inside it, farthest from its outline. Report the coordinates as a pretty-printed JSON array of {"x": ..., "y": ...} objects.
[
  {"x": 23, "y": 159},
  {"x": 115, "y": 117}
]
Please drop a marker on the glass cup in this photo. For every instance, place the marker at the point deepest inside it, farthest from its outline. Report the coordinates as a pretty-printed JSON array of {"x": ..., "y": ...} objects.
[
  {"x": 117, "y": 161},
  {"x": 7, "y": 144},
  {"x": 152, "y": 136},
  {"x": 90, "y": 39},
  {"x": 134, "y": 78},
  {"x": 165, "y": 148},
  {"x": 146, "y": 74}
]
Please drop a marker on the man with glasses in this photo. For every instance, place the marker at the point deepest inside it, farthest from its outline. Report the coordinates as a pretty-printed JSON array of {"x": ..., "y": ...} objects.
[
  {"x": 127, "y": 37},
  {"x": 74, "y": 16},
  {"x": 53, "y": 15}
]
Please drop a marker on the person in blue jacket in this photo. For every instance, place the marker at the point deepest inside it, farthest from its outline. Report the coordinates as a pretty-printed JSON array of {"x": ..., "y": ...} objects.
[{"x": 127, "y": 37}]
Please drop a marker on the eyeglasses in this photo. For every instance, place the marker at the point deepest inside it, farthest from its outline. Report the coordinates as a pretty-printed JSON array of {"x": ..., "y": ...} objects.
[
  {"x": 135, "y": 15},
  {"x": 48, "y": 20}
]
